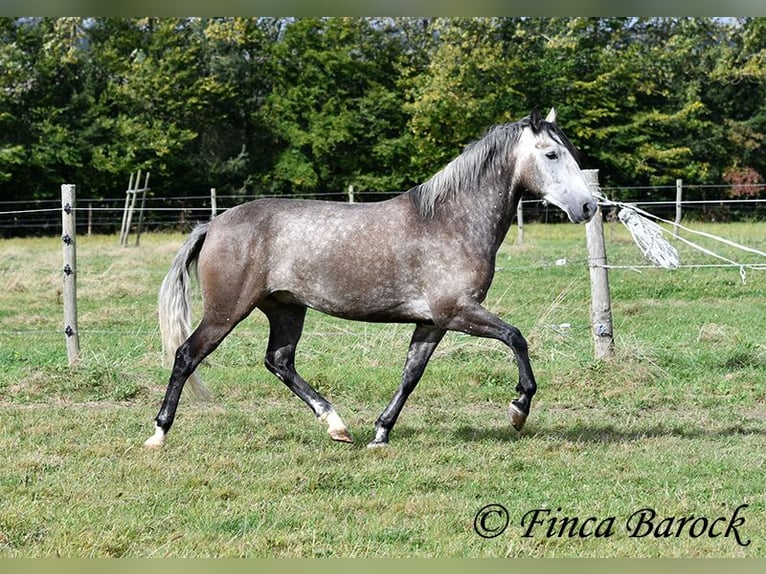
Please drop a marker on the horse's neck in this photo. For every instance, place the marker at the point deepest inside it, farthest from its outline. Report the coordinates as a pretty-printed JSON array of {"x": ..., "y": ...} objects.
[{"x": 483, "y": 215}]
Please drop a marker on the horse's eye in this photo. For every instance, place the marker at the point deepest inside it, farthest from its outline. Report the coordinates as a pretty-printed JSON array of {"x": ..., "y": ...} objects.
[{"x": 552, "y": 155}]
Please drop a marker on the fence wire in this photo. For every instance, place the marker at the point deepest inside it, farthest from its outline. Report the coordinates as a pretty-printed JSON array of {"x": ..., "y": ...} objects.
[
  {"x": 42, "y": 217},
  {"x": 179, "y": 213}
]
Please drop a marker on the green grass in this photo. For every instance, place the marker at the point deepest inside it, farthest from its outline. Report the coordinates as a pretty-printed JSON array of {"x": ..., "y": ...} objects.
[{"x": 676, "y": 422}]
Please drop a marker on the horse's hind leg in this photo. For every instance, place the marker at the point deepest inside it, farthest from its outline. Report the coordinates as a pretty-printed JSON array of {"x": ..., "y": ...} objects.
[
  {"x": 203, "y": 341},
  {"x": 286, "y": 326}
]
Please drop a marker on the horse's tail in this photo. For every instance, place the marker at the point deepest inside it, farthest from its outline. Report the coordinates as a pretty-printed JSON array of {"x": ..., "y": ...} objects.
[{"x": 175, "y": 305}]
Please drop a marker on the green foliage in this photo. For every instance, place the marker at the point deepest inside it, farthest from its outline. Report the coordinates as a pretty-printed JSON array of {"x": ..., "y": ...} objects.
[
  {"x": 452, "y": 102},
  {"x": 313, "y": 105},
  {"x": 334, "y": 108}
]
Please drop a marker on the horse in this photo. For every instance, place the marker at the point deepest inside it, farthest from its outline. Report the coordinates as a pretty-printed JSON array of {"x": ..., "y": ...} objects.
[{"x": 424, "y": 257}]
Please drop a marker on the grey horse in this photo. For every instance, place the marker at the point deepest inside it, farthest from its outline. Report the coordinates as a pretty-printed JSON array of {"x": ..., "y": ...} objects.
[{"x": 426, "y": 256}]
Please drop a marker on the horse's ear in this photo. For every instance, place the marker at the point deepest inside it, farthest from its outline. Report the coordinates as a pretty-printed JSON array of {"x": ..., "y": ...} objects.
[
  {"x": 534, "y": 119},
  {"x": 551, "y": 117}
]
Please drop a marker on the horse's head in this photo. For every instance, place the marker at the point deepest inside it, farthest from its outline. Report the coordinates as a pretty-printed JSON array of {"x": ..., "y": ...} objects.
[{"x": 548, "y": 167}]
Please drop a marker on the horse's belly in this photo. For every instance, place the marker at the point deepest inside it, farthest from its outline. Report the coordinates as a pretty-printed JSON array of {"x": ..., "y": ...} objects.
[{"x": 361, "y": 306}]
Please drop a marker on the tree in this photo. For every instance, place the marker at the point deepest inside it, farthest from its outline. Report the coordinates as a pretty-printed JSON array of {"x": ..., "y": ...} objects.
[
  {"x": 159, "y": 99},
  {"x": 466, "y": 87},
  {"x": 738, "y": 94},
  {"x": 311, "y": 105},
  {"x": 334, "y": 107},
  {"x": 633, "y": 95},
  {"x": 42, "y": 101}
]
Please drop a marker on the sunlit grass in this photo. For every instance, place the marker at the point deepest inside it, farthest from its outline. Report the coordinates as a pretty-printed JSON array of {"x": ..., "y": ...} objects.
[{"x": 675, "y": 422}]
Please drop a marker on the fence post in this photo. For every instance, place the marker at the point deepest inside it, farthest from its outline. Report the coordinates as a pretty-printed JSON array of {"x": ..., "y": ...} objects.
[
  {"x": 68, "y": 225},
  {"x": 351, "y": 194},
  {"x": 133, "y": 193},
  {"x": 601, "y": 305},
  {"x": 213, "y": 203},
  {"x": 679, "y": 197},
  {"x": 141, "y": 209},
  {"x": 124, "y": 228},
  {"x": 519, "y": 224}
]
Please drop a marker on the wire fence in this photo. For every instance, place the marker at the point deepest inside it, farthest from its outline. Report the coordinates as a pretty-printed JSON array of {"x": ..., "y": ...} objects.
[
  {"x": 42, "y": 217},
  {"x": 179, "y": 213}
]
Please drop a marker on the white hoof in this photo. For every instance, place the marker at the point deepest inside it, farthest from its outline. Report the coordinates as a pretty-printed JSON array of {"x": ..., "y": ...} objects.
[
  {"x": 335, "y": 427},
  {"x": 157, "y": 440},
  {"x": 517, "y": 416}
]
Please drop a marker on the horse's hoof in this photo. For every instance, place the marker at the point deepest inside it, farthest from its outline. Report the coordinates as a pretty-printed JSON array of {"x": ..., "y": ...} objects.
[
  {"x": 335, "y": 426},
  {"x": 517, "y": 416},
  {"x": 340, "y": 435},
  {"x": 157, "y": 440},
  {"x": 374, "y": 444}
]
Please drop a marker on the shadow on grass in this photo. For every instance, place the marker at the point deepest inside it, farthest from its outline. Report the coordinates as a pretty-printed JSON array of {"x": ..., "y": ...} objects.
[{"x": 603, "y": 433}]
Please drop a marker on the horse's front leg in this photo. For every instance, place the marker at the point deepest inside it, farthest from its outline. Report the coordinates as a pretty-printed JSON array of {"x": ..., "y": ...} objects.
[
  {"x": 424, "y": 341},
  {"x": 471, "y": 318}
]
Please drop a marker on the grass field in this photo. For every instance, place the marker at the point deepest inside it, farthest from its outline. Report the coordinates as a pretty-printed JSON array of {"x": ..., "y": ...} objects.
[{"x": 676, "y": 423}]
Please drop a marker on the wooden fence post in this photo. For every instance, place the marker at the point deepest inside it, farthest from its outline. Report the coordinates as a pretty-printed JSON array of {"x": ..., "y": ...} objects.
[
  {"x": 601, "y": 305},
  {"x": 519, "y": 224},
  {"x": 351, "y": 194},
  {"x": 125, "y": 224},
  {"x": 679, "y": 198},
  {"x": 130, "y": 205},
  {"x": 141, "y": 209},
  {"x": 68, "y": 224},
  {"x": 213, "y": 203}
]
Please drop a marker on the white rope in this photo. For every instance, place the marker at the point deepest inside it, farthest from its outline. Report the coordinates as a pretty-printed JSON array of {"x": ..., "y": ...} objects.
[
  {"x": 721, "y": 239},
  {"x": 638, "y": 268},
  {"x": 607, "y": 202},
  {"x": 648, "y": 237},
  {"x": 25, "y": 211}
]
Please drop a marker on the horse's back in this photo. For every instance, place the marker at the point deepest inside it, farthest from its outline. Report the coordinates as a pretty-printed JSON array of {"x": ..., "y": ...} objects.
[{"x": 358, "y": 261}]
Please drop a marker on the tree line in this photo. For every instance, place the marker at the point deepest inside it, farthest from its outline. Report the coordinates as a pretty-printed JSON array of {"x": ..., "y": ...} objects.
[{"x": 309, "y": 106}]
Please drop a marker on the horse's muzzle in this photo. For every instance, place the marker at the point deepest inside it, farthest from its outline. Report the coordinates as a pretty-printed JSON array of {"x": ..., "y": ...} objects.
[
  {"x": 589, "y": 209},
  {"x": 585, "y": 212}
]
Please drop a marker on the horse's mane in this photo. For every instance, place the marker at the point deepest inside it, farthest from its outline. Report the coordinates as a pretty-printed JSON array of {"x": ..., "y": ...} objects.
[{"x": 466, "y": 170}]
